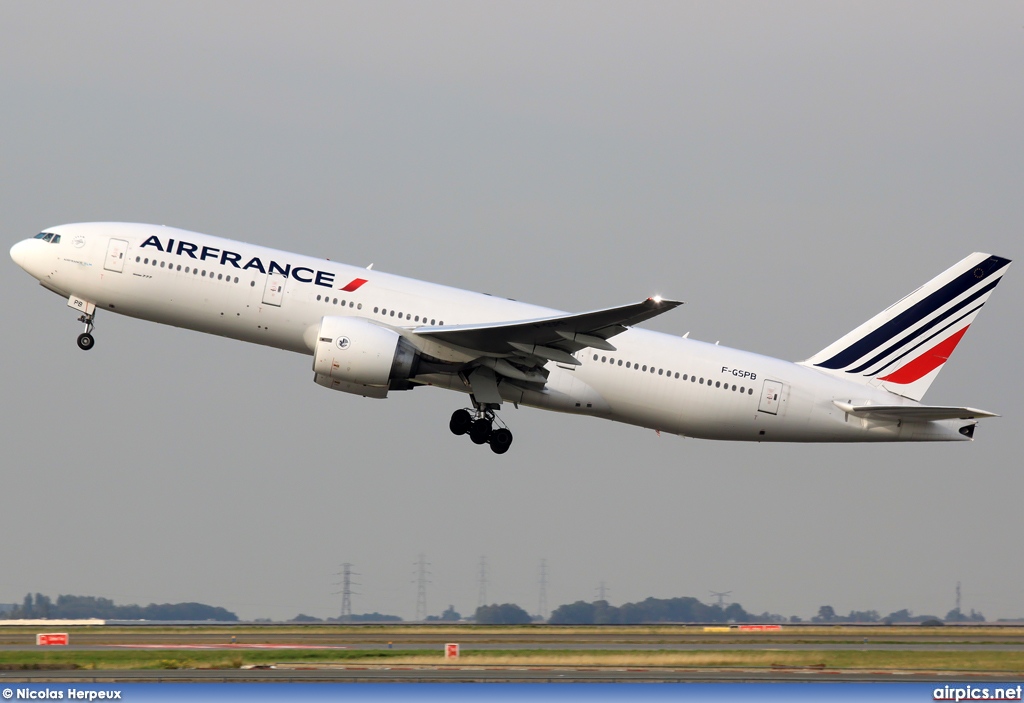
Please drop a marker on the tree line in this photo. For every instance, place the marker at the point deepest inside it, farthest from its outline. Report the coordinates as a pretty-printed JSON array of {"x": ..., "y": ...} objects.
[
  {"x": 80, "y": 607},
  {"x": 828, "y": 614}
]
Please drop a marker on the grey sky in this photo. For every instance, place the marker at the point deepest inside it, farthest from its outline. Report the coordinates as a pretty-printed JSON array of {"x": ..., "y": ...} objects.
[{"x": 788, "y": 169}]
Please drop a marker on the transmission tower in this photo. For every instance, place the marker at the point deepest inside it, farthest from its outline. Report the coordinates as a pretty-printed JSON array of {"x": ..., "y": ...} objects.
[
  {"x": 721, "y": 597},
  {"x": 542, "y": 597},
  {"x": 602, "y": 591},
  {"x": 958, "y": 597},
  {"x": 481, "y": 598},
  {"x": 346, "y": 590},
  {"x": 421, "y": 587}
]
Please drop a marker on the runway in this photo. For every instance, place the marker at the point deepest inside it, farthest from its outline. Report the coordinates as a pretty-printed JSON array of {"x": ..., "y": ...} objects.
[
  {"x": 556, "y": 646},
  {"x": 496, "y": 675}
]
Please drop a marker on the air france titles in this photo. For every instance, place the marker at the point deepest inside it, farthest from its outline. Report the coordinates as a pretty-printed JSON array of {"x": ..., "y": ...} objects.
[{"x": 303, "y": 274}]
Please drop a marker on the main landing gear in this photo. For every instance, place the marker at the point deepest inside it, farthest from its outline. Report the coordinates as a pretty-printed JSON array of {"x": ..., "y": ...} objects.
[
  {"x": 479, "y": 425},
  {"x": 86, "y": 340}
]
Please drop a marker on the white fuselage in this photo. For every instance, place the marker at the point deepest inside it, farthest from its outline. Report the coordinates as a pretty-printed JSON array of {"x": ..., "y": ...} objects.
[{"x": 653, "y": 380}]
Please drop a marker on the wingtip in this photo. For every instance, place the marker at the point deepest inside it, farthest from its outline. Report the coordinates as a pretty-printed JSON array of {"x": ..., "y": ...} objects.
[{"x": 658, "y": 300}]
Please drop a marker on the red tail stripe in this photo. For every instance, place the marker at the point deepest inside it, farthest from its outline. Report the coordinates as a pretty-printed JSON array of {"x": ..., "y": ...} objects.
[{"x": 927, "y": 362}]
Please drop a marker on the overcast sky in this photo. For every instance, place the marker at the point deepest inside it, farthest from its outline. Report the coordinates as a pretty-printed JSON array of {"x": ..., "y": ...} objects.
[{"x": 788, "y": 169}]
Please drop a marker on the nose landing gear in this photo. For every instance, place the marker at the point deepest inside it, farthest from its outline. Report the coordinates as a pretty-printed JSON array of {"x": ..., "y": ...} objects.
[
  {"x": 86, "y": 340},
  {"x": 479, "y": 425}
]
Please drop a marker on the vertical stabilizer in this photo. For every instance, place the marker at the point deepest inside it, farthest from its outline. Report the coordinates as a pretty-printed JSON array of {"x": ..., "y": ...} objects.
[{"x": 903, "y": 348}]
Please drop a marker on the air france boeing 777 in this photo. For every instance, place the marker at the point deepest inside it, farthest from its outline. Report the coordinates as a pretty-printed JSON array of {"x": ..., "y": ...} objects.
[{"x": 370, "y": 333}]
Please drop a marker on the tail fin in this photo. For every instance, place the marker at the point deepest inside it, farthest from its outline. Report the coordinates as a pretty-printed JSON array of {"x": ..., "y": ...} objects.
[{"x": 903, "y": 348}]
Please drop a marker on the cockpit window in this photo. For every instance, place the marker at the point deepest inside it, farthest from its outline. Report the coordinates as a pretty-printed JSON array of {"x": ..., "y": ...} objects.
[
  {"x": 56, "y": 239},
  {"x": 45, "y": 236}
]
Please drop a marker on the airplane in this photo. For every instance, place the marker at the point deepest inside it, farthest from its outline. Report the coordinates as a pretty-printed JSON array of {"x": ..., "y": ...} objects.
[{"x": 371, "y": 333}]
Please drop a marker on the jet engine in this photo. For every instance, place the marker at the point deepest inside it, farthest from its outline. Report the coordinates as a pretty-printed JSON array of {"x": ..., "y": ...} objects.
[{"x": 356, "y": 356}]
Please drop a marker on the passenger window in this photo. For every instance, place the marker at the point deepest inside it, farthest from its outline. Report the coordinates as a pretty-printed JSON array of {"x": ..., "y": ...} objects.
[
  {"x": 136, "y": 259},
  {"x": 375, "y": 309},
  {"x": 718, "y": 384},
  {"x": 595, "y": 357},
  {"x": 659, "y": 372},
  {"x": 392, "y": 313},
  {"x": 335, "y": 301},
  {"x": 154, "y": 262},
  {"x": 162, "y": 264},
  {"x": 146, "y": 261},
  {"x": 750, "y": 391},
  {"x": 399, "y": 316},
  {"x": 318, "y": 297},
  {"x": 252, "y": 284},
  {"x": 742, "y": 389},
  {"x": 360, "y": 306},
  {"x": 645, "y": 367},
  {"x": 220, "y": 276},
  {"x": 620, "y": 362},
  {"x": 431, "y": 321},
  {"x": 734, "y": 387},
  {"x": 627, "y": 364},
  {"x": 236, "y": 277}
]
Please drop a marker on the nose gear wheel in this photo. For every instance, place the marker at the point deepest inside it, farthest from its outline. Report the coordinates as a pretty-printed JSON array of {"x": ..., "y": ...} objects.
[{"x": 85, "y": 340}]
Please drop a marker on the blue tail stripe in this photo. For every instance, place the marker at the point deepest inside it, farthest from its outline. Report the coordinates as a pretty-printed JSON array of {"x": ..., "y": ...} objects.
[
  {"x": 921, "y": 330},
  {"x": 925, "y": 341},
  {"x": 915, "y": 313}
]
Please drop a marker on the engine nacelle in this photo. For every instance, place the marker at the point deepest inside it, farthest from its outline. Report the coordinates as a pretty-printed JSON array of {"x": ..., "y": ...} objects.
[{"x": 357, "y": 356}]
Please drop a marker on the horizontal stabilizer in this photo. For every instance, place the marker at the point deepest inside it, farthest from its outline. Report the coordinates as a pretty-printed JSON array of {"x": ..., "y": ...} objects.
[{"x": 912, "y": 413}]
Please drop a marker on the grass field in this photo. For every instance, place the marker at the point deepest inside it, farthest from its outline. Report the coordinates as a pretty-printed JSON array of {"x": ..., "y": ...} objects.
[
  {"x": 537, "y": 646},
  {"x": 1008, "y": 662}
]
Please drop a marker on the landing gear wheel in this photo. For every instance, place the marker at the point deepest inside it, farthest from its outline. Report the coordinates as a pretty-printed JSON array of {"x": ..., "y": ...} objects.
[
  {"x": 460, "y": 422},
  {"x": 480, "y": 430},
  {"x": 500, "y": 440},
  {"x": 85, "y": 341}
]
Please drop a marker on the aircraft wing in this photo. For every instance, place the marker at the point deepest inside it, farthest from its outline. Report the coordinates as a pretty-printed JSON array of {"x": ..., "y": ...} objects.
[
  {"x": 912, "y": 413},
  {"x": 545, "y": 337}
]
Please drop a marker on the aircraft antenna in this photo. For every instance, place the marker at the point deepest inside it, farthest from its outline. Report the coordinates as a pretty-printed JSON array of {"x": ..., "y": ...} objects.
[
  {"x": 421, "y": 586},
  {"x": 542, "y": 597}
]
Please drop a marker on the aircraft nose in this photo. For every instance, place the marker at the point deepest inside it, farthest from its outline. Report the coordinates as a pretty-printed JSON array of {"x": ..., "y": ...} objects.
[{"x": 19, "y": 252}]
